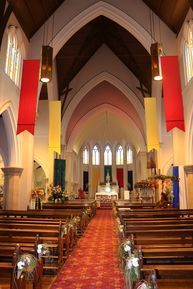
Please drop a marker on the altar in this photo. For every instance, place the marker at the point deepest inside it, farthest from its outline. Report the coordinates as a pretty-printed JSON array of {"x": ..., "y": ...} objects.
[{"x": 106, "y": 194}]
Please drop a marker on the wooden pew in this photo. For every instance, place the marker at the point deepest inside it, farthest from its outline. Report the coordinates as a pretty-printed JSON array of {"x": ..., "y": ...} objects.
[
  {"x": 51, "y": 214},
  {"x": 52, "y": 235},
  {"x": 166, "y": 238},
  {"x": 74, "y": 204}
]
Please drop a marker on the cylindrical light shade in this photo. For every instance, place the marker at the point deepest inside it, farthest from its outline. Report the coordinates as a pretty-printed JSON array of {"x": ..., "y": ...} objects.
[
  {"x": 46, "y": 64},
  {"x": 156, "y": 52}
]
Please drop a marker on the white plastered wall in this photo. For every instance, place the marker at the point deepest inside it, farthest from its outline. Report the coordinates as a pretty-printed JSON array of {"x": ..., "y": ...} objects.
[{"x": 187, "y": 93}]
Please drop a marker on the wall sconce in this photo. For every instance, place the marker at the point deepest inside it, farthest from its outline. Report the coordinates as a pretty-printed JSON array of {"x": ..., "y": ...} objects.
[
  {"x": 156, "y": 52},
  {"x": 46, "y": 64}
]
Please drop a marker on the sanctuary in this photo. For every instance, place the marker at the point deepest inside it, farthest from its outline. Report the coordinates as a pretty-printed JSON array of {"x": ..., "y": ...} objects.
[{"x": 106, "y": 193}]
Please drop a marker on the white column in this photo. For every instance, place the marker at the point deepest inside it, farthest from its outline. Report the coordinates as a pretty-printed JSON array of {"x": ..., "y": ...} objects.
[
  {"x": 114, "y": 172},
  {"x": 27, "y": 154},
  {"x": 102, "y": 166},
  {"x": 69, "y": 168},
  {"x": 178, "y": 146},
  {"x": 142, "y": 159},
  {"x": 13, "y": 199},
  {"x": 125, "y": 168}
]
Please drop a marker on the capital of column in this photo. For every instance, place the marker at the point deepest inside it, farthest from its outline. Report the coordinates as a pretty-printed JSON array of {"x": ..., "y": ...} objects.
[{"x": 12, "y": 171}]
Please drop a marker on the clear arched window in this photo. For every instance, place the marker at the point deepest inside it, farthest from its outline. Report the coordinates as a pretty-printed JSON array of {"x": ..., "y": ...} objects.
[
  {"x": 13, "y": 56},
  {"x": 188, "y": 50},
  {"x": 107, "y": 156},
  {"x": 119, "y": 155},
  {"x": 95, "y": 155},
  {"x": 85, "y": 155},
  {"x": 129, "y": 155}
]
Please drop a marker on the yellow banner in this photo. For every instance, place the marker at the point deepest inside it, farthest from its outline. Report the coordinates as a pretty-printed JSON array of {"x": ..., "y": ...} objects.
[
  {"x": 95, "y": 177},
  {"x": 151, "y": 118},
  {"x": 55, "y": 126}
]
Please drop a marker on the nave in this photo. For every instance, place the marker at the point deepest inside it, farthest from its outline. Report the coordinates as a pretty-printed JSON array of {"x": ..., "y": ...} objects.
[{"x": 94, "y": 262}]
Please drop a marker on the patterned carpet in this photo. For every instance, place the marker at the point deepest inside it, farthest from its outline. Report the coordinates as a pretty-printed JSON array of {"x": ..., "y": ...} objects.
[{"x": 93, "y": 263}]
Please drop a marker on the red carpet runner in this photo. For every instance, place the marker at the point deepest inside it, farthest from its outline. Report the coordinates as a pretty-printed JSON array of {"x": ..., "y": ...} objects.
[{"x": 94, "y": 262}]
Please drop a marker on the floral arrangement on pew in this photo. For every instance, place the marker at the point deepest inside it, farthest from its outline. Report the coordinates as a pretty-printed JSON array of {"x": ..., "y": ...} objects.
[
  {"x": 150, "y": 284},
  {"x": 56, "y": 195},
  {"x": 131, "y": 261},
  {"x": 132, "y": 270},
  {"x": 42, "y": 250},
  {"x": 76, "y": 223},
  {"x": 120, "y": 229}
]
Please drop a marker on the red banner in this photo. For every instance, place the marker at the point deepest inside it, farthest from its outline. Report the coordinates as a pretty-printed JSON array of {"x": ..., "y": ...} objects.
[
  {"x": 28, "y": 96},
  {"x": 173, "y": 104},
  {"x": 120, "y": 177}
]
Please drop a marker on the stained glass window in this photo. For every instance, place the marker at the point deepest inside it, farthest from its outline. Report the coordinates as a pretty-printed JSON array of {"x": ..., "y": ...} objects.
[
  {"x": 95, "y": 155},
  {"x": 13, "y": 56},
  {"x": 119, "y": 155},
  {"x": 85, "y": 156},
  {"x": 129, "y": 155},
  {"x": 107, "y": 155}
]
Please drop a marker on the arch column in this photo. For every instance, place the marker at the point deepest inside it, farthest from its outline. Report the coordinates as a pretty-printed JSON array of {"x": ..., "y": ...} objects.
[
  {"x": 125, "y": 168},
  {"x": 178, "y": 146},
  {"x": 142, "y": 158},
  {"x": 114, "y": 171},
  {"x": 69, "y": 171},
  {"x": 12, "y": 198},
  {"x": 90, "y": 174}
]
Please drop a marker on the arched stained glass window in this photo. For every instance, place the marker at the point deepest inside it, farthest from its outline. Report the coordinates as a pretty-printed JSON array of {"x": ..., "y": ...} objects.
[
  {"x": 85, "y": 156},
  {"x": 107, "y": 156},
  {"x": 95, "y": 155},
  {"x": 13, "y": 56},
  {"x": 129, "y": 155},
  {"x": 119, "y": 155}
]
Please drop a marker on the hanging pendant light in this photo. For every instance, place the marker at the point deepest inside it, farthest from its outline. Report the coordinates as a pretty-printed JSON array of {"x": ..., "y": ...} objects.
[
  {"x": 46, "y": 64},
  {"x": 156, "y": 52}
]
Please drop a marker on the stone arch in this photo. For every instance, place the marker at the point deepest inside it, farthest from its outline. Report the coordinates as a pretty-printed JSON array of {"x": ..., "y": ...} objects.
[
  {"x": 14, "y": 158},
  {"x": 101, "y": 8},
  {"x": 104, "y": 76},
  {"x": 141, "y": 145},
  {"x": 42, "y": 164}
]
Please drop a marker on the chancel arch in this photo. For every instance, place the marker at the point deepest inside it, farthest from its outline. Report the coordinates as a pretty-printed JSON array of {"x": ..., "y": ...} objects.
[{"x": 89, "y": 86}]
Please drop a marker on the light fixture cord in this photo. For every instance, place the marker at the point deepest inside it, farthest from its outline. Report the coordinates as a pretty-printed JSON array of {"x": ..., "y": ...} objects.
[
  {"x": 160, "y": 32},
  {"x": 150, "y": 20},
  {"x": 153, "y": 26},
  {"x": 43, "y": 34}
]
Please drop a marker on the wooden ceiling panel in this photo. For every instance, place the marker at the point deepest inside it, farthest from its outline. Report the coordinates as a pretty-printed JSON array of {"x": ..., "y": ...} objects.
[
  {"x": 32, "y": 14},
  {"x": 172, "y": 12},
  {"x": 79, "y": 49}
]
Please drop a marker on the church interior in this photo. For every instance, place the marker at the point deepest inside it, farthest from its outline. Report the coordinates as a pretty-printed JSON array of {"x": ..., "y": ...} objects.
[{"x": 96, "y": 144}]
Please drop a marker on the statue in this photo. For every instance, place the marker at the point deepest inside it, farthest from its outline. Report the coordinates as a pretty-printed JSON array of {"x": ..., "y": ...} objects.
[{"x": 108, "y": 178}]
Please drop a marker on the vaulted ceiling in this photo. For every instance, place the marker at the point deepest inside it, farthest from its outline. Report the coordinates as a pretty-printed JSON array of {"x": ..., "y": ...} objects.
[
  {"x": 79, "y": 49},
  {"x": 31, "y": 15}
]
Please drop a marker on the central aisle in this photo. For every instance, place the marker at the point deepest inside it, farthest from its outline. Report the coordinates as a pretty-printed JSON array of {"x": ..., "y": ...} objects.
[{"x": 94, "y": 262}]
